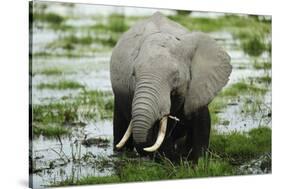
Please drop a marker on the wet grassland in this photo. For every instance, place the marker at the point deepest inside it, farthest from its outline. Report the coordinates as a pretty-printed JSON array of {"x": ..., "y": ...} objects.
[{"x": 72, "y": 101}]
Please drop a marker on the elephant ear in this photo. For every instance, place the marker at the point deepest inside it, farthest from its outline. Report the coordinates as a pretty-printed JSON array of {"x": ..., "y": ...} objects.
[{"x": 209, "y": 71}]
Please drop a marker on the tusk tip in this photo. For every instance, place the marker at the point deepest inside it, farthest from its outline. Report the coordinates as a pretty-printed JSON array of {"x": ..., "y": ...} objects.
[{"x": 148, "y": 149}]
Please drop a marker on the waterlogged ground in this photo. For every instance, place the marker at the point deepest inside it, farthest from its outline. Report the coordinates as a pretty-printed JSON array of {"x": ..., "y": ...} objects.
[{"x": 72, "y": 101}]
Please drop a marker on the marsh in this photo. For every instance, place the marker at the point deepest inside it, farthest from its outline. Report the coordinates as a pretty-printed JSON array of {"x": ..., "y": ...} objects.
[{"x": 72, "y": 99}]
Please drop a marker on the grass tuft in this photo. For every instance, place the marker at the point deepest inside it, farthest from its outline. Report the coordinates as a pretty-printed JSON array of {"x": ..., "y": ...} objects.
[
  {"x": 240, "y": 88},
  {"x": 240, "y": 147},
  {"x": 49, "y": 130},
  {"x": 51, "y": 71},
  {"x": 94, "y": 105},
  {"x": 117, "y": 23},
  {"x": 133, "y": 171},
  {"x": 263, "y": 66},
  {"x": 62, "y": 85},
  {"x": 51, "y": 18}
]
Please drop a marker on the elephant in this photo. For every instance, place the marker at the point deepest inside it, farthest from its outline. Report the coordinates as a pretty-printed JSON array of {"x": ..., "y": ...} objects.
[{"x": 163, "y": 77}]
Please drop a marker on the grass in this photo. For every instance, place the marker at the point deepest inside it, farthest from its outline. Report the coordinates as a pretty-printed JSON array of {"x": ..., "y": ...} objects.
[
  {"x": 51, "y": 71},
  {"x": 239, "y": 147},
  {"x": 49, "y": 130},
  {"x": 134, "y": 170},
  {"x": 117, "y": 23},
  {"x": 262, "y": 66},
  {"x": 54, "y": 113},
  {"x": 254, "y": 45},
  {"x": 250, "y": 31},
  {"x": 241, "y": 88},
  {"x": 69, "y": 42},
  {"x": 265, "y": 79},
  {"x": 227, "y": 153},
  {"x": 72, "y": 42},
  {"x": 217, "y": 104},
  {"x": 229, "y": 22},
  {"x": 88, "y": 105},
  {"x": 61, "y": 85},
  {"x": 110, "y": 41},
  {"x": 51, "y": 18}
]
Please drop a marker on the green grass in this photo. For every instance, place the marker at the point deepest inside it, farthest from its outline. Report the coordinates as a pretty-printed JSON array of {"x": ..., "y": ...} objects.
[
  {"x": 61, "y": 85},
  {"x": 117, "y": 23},
  {"x": 262, "y": 66},
  {"x": 265, "y": 79},
  {"x": 110, "y": 41},
  {"x": 227, "y": 153},
  {"x": 249, "y": 30},
  {"x": 254, "y": 45},
  {"x": 215, "y": 119},
  {"x": 88, "y": 105},
  {"x": 84, "y": 40},
  {"x": 229, "y": 22},
  {"x": 88, "y": 180},
  {"x": 240, "y": 147},
  {"x": 134, "y": 170},
  {"x": 72, "y": 42},
  {"x": 241, "y": 88},
  {"x": 51, "y": 71},
  {"x": 217, "y": 104},
  {"x": 54, "y": 113},
  {"x": 51, "y": 18},
  {"x": 49, "y": 130}
]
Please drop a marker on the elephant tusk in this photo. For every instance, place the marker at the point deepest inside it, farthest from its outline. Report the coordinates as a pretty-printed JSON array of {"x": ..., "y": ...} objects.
[
  {"x": 160, "y": 137},
  {"x": 174, "y": 118},
  {"x": 125, "y": 137}
]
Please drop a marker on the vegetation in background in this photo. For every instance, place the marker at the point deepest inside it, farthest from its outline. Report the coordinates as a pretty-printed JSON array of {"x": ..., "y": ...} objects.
[
  {"x": 254, "y": 46},
  {"x": 49, "y": 130},
  {"x": 51, "y": 18},
  {"x": 262, "y": 66},
  {"x": 117, "y": 23},
  {"x": 239, "y": 88},
  {"x": 89, "y": 105},
  {"x": 61, "y": 85},
  {"x": 51, "y": 71}
]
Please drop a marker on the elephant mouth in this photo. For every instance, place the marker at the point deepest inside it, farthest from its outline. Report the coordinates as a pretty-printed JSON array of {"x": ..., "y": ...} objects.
[{"x": 160, "y": 136}]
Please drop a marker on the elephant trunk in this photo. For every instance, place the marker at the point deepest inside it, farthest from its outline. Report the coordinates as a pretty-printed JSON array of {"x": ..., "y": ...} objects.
[{"x": 146, "y": 110}]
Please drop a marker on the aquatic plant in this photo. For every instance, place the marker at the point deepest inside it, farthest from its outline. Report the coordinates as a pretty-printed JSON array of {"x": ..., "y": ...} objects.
[
  {"x": 61, "y": 85},
  {"x": 51, "y": 18},
  {"x": 239, "y": 147},
  {"x": 254, "y": 46}
]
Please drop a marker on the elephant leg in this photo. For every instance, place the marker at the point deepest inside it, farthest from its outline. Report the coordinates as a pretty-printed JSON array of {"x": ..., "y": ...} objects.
[
  {"x": 121, "y": 122},
  {"x": 198, "y": 134}
]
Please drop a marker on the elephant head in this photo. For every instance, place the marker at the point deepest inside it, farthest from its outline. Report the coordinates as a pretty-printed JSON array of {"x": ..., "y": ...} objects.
[{"x": 172, "y": 73}]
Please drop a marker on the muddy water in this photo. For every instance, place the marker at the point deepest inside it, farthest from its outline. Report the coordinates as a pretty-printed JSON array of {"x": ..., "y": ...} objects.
[{"x": 57, "y": 159}]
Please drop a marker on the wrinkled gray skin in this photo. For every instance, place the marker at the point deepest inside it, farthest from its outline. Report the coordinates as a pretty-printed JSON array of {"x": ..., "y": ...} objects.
[{"x": 158, "y": 68}]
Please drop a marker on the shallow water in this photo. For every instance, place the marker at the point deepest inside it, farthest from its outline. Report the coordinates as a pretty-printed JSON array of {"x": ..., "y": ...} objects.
[
  {"x": 50, "y": 156},
  {"x": 54, "y": 159}
]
